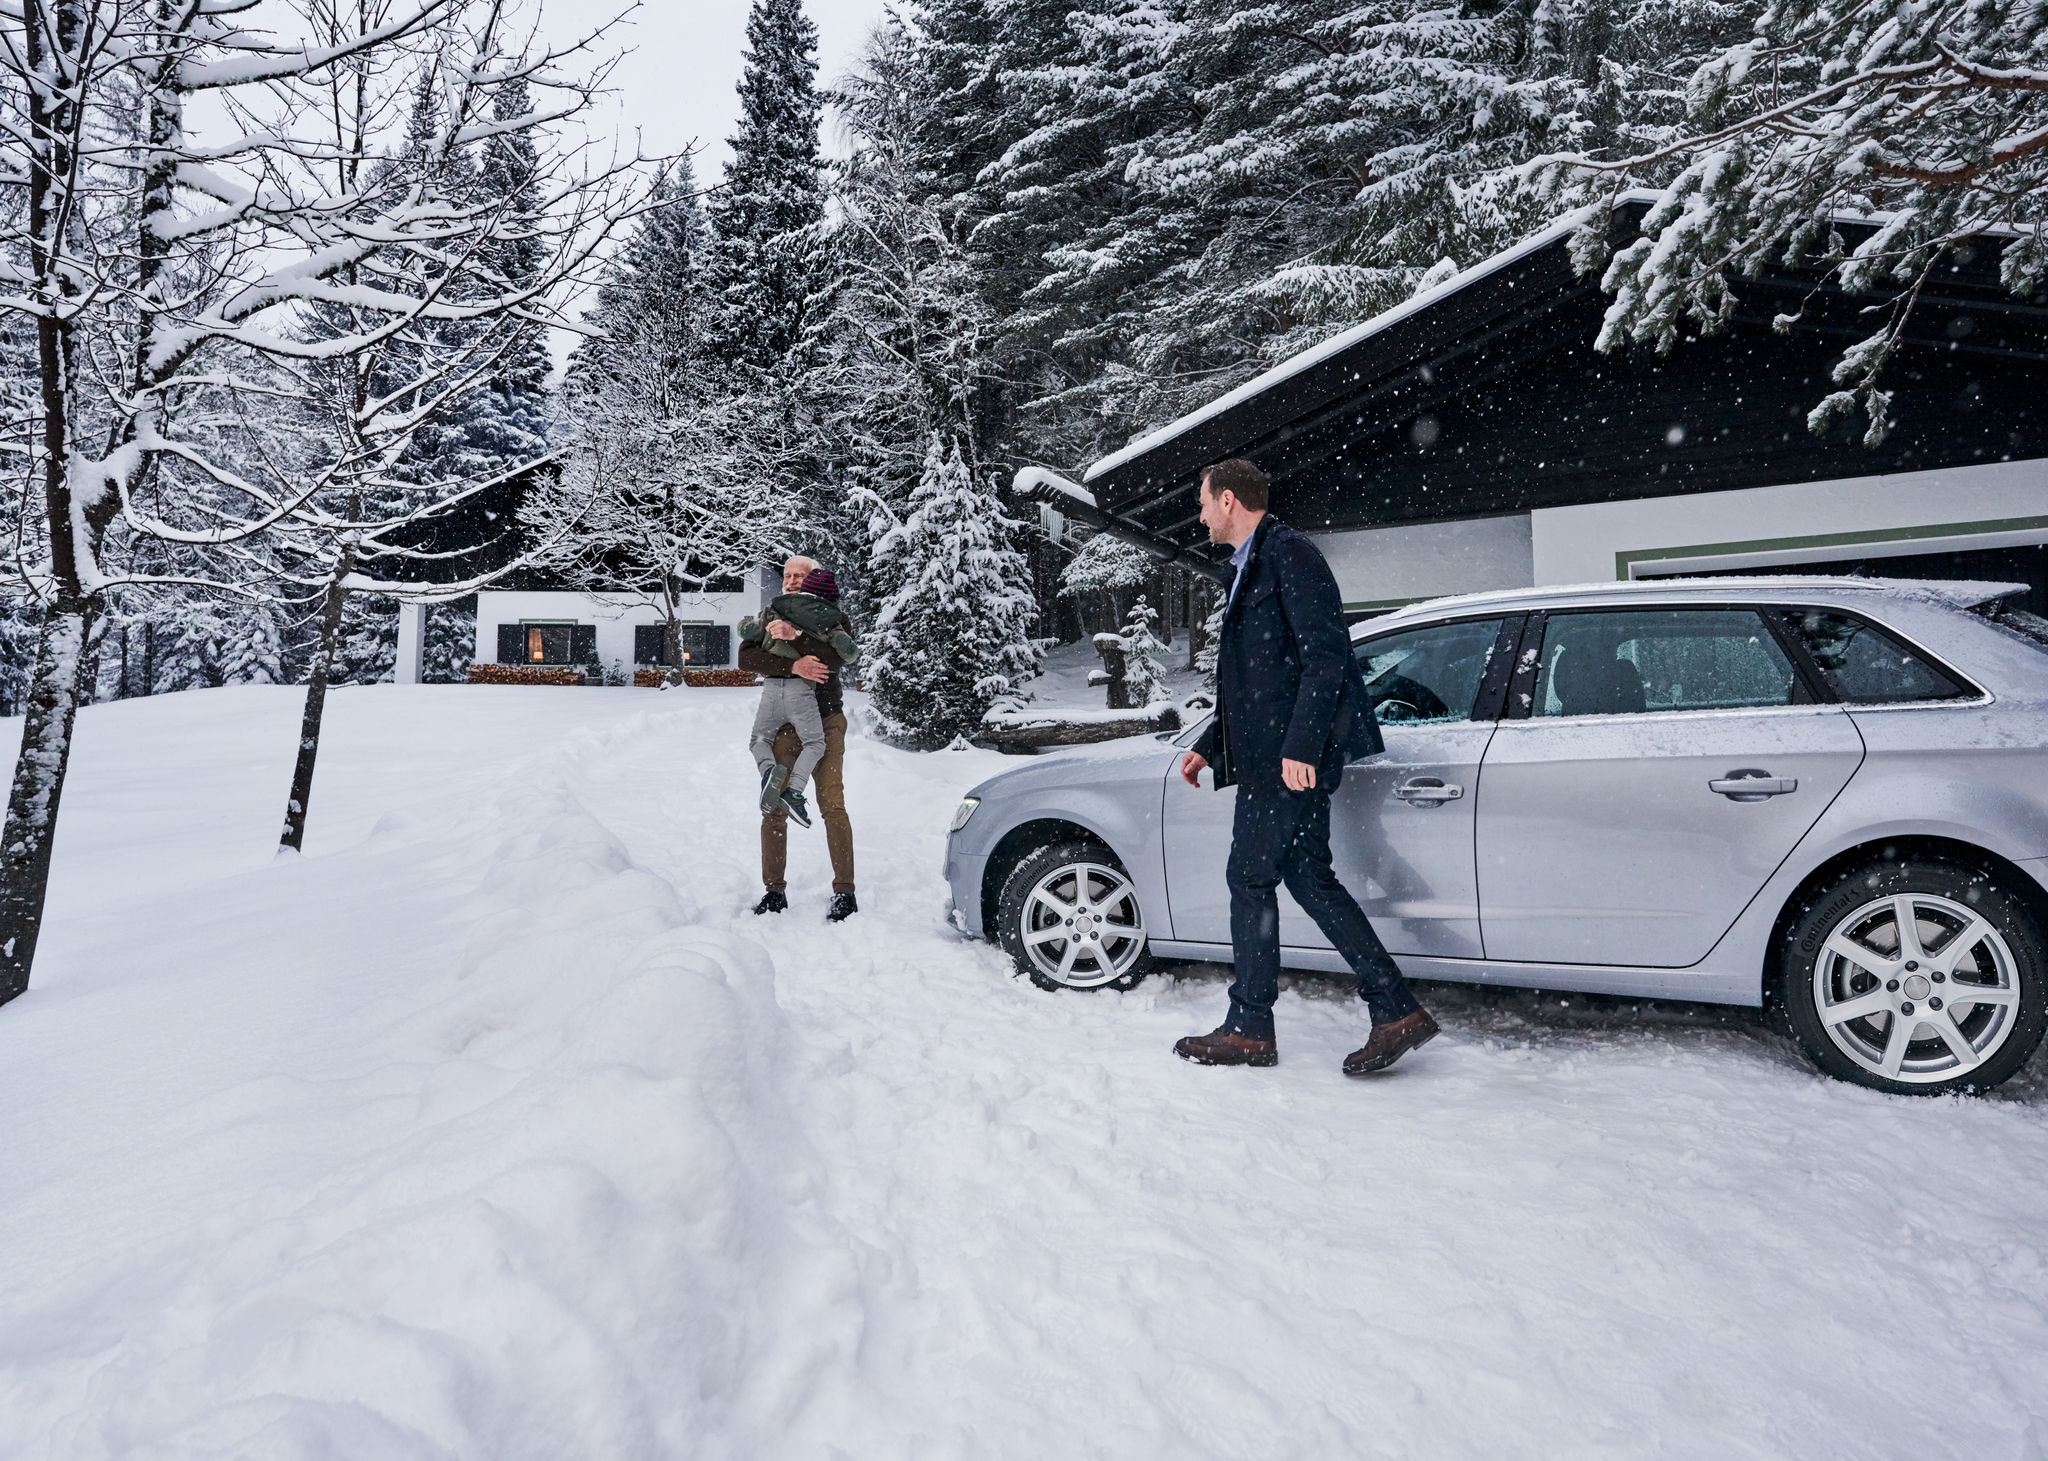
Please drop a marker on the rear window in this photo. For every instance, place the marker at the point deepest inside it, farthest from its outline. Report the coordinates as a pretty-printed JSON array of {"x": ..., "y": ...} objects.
[
  {"x": 2023, "y": 622},
  {"x": 1866, "y": 666}
]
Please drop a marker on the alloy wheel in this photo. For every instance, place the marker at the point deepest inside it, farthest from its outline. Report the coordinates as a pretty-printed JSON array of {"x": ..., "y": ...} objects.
[
  {"x": 1081, "y": 925},
  {"x": 1917, "y": 988}
]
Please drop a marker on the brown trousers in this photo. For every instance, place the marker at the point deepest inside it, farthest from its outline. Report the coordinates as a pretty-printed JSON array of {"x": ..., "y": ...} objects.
[{"x": 828, "y": 787}]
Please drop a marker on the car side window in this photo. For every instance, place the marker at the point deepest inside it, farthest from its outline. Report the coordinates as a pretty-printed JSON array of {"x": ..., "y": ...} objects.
[
  {"x": 1429, "y": 675},
  {"x": 1629, "y": 661},
  {"x": 1866, "y": 666}
]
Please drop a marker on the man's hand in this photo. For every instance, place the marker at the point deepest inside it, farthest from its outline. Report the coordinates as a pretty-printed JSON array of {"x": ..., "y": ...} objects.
[
  {"x": 1299, "y": 775},
  {"x": 1191, "y": 768},
  {"x": 810, "y": 667},
  {"x": 783, "y": 629}
]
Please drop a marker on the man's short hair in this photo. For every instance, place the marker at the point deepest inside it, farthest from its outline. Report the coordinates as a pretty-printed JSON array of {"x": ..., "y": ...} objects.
[{"x": 1241, "y": 479}]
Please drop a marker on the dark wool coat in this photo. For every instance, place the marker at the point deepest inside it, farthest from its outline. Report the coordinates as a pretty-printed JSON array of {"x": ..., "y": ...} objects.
[{"x": 1287, "y": 684}]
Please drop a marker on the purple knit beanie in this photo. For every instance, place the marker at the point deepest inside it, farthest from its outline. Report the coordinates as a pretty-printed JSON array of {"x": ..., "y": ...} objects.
[{"x": 823, "y": 583}]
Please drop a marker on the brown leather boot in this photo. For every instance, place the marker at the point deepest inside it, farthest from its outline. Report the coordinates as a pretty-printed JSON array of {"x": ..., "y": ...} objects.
[
  {"x": 1226, "y": 1047},
  {"x": 1390, "y": 1042}
]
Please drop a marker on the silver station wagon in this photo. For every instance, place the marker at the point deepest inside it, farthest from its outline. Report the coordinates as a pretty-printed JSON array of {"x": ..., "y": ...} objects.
[{"x": 1830, "y": 792}]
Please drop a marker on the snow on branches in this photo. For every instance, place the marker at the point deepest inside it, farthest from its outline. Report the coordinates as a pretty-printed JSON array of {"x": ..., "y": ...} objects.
[
  {"x": 1926, "y": 118},
  {"x": 246, "y": 326}
]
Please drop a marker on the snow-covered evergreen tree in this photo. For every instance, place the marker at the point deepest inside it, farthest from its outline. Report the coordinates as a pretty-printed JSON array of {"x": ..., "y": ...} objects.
[
  {"x": 650, "y": 318},
  {"x": 1107, "y": 570},
  {"x": 1144, "y": 671},
  {"x": 505, "y": 424},
  {"x": 255, "y": 653},
  {"x": 955, "y": 634},
  {"x": 18, "y": 626},
  {"x": 1212, "y": 631},
  {"x": 903, "y": 352},
  {"x": 449, "y": 646},
  {"x": 762, "y": 258}
]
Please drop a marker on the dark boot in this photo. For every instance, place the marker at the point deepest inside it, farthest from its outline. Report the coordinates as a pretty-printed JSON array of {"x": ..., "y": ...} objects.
[
  {"x": 1389, "y": 1042},
  {"x": 772, "y": 901},
  {"x": 773, "y": 780},
  {"x": 843, "y": 907},
  {"x": 799, "y": 810},
  {"x": 1227, "y": 1047}
]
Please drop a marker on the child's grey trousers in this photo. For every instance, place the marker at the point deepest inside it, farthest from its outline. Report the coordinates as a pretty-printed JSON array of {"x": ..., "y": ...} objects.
[{"x": 790, "y": 701}]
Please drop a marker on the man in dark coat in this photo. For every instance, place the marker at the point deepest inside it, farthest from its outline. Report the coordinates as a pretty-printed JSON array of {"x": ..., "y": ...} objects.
[{"x": 1291, "y": 709}]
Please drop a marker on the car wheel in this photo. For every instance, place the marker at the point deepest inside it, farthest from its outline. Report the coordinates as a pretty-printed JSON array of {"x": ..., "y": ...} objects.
[
  {"x": 1069, "y": 916},
  {"x": 1917, "y": 977}
]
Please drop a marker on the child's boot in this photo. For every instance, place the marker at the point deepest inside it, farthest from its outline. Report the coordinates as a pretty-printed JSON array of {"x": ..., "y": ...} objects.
[
  {"x": 773, "y": 780},
  {"x": 793, "y": 803}
]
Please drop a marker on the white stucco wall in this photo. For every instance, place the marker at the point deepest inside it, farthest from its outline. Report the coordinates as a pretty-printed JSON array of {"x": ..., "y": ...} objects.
[
  {"x": 615, "y": 616},
  {"x": 1383, "y": 566},
  {"x": 1997, "y": 504}
]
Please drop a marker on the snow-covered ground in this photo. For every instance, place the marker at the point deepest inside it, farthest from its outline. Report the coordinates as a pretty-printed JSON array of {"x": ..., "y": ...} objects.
[{"x": 495, "y": 1127}]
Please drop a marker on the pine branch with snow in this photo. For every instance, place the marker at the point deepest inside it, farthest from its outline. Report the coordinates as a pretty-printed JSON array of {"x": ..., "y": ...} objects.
[{"x": 1928, "y": 121}]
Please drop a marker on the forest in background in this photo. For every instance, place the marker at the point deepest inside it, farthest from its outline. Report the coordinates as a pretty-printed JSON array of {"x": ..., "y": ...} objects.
[{"x": 1057, "y": 226}]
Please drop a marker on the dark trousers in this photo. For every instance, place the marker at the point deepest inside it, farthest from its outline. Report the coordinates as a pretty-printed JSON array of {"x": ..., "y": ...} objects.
[{"x": 1281, "y": 836}]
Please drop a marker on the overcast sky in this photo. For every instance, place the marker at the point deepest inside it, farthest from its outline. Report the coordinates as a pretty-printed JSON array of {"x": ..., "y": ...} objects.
[{"x": 677, "y": 85}]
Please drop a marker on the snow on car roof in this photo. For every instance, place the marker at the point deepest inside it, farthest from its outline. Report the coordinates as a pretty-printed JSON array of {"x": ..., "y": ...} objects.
[{"x": 1954, "y": 594}]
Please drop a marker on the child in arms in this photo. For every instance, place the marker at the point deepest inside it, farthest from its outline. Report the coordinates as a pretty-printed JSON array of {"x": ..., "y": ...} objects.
[{"x": 790, "y": 699}]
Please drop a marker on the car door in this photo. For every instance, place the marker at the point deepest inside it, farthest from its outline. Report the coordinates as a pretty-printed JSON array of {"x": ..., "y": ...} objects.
[
  {"x": 1400, "y": 824},
  {"x": 1655, "y": 767}
]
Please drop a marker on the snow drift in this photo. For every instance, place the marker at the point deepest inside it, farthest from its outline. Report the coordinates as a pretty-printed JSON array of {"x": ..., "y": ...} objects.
[{"x": 541, "y": 1199}]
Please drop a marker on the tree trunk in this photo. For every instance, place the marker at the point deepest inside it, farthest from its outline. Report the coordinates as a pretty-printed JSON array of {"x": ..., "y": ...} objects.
[
  {"x": 51, "y": 36},
  {"x": 38, "y": 786},
  {"x": 1112, "y": 673},
  {"x": 672, "y": 648},
  {"x": 316, "y": 706}
]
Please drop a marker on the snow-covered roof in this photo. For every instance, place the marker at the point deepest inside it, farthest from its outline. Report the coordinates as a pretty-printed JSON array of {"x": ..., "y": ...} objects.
[{"x": 1344, "y": 339}]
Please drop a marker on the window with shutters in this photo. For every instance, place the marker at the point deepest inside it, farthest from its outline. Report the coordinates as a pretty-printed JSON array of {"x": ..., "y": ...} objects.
[
  {"x": 648, "y": 645},
  {"x": 706, "y": 646},
  {"x": 549, "y": 644}
]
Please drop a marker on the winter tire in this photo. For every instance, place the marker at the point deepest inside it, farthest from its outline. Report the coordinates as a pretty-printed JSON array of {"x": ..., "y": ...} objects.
[
  {"x": 1917, "y": 977},
  {"x": 1069, "y": 916}
]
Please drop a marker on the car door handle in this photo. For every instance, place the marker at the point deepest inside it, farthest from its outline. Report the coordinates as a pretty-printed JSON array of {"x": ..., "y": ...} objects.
[
  {"x": 1751, "y": 785},
  {"x": 1427, "y": 791}
]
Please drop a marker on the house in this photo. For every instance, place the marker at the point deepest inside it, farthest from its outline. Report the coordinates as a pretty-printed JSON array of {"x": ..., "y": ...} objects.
[
  {"x": 554, "y": 626},
  {"x": 1472, "y": 438}
]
